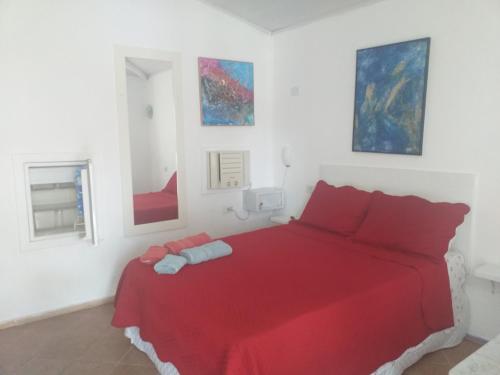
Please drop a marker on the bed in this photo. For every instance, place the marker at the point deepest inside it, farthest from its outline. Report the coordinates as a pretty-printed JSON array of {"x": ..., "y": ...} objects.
[
  {"x": 157, "y": 206},
  {"x": 295, "y": 299}
]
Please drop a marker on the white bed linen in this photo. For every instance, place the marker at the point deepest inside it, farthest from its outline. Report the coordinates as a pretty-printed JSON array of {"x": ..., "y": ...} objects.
[{"x": 439, "y": 340}]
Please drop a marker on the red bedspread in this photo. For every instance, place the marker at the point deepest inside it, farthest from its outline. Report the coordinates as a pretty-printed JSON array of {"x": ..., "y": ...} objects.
[
  {"x": 153, "y": 207},
  {"x": 289, "y": 300}
]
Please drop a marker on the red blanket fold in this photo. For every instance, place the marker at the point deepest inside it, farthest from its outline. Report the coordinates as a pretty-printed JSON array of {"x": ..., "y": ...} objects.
[{"x": 290, "y": 300}]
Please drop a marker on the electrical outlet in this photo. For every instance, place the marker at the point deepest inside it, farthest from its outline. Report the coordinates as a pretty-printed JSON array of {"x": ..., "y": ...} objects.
[{"x": 228, "y": 209}]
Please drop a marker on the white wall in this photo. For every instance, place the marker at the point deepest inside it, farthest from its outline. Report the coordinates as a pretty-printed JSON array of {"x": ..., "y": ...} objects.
[
  {"x": 140, "y": 137},
  {"x": 153, "y": 145},
  {"x": 462, "y": 124},
  {"x": 57, "y": 94},
  {"x": 163, "y": 129}
]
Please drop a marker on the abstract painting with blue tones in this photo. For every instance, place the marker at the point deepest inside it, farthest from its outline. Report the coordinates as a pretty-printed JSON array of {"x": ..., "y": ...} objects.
[
  {"x": 391, "y": 83},
  {"x": 226, "y": 92}
]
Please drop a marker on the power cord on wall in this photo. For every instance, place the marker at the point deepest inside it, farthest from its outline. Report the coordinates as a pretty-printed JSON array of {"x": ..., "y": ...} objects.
[
  {"x": 284, "y": 177},
  {"x": 236, "y": 213}
]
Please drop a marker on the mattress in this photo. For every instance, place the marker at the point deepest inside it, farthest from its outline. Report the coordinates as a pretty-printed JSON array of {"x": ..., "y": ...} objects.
[{"x": 386, "y": 274}]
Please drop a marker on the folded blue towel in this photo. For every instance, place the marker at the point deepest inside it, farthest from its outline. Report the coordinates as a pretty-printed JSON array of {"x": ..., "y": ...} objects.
[
  {"x": 208, "y": 251},
  {"x": 170, "y": 265}
]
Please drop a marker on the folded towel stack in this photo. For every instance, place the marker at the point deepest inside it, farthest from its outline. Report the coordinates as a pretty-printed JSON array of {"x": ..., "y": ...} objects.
[
  {"x": 175, "y": 247},
  {"x": 170, "y": 265},
  {"x": 208, "y": 251},
  {"x": 156, "y": 253},
  {"x": 191, "y": 250},
  {"x": 153, "y": 254}
]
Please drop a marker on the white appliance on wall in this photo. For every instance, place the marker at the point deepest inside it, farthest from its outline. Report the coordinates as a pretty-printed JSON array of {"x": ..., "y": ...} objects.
[
  {"x": 286, "y": 156},
  {"x": 264, "y": 199}
]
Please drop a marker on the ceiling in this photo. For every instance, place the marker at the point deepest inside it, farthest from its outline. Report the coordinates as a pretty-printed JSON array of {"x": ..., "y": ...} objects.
[{"x": 274, "y": 15}]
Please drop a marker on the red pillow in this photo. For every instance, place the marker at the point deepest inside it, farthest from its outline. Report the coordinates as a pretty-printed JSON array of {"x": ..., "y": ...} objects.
[
  {"x": 412, "y": 224},
  {"x": 337, "y": 209},
  {"x": 171, "y": 186}
]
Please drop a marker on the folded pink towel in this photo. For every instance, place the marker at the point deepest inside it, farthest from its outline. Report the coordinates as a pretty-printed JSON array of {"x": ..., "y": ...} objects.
[
  {"x": 175, "y": 247},
  {"x": 153, "y": 254}
]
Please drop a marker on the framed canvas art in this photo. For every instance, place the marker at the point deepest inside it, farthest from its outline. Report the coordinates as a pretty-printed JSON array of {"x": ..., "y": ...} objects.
[
  {"x": 226, "y": 92},
  {"x": 389, "y": 108}
]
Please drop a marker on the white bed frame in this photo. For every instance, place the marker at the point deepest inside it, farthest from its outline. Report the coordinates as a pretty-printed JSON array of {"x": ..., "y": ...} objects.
[{"x": 433, "y": 185}]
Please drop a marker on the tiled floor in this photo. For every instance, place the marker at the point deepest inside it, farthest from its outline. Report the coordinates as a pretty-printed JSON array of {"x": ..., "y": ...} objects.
[
  {"x": 440, "y": 362},
  {"x": 84, "y": 343},
  {"x": 74, "y": 344}
]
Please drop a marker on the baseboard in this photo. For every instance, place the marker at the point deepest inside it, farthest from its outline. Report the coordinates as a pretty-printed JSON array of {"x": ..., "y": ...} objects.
[
  {"x": 477, "y": 340},
  {"x": 57, "y": 312}
]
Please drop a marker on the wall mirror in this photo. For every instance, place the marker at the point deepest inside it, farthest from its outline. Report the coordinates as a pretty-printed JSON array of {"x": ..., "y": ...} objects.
[{"x": 151, "y": 143}]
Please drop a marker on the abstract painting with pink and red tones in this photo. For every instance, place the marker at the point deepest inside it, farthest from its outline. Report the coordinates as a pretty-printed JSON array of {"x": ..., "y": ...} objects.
[{"x": 226, "y": 92}]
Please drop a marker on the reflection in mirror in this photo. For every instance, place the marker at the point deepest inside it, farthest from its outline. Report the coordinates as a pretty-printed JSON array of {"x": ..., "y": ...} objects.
[{"x": 152, "y": 137}]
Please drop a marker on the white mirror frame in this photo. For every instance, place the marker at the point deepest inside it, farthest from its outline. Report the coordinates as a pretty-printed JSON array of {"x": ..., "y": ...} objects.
[{"x": 174, "y": 58}]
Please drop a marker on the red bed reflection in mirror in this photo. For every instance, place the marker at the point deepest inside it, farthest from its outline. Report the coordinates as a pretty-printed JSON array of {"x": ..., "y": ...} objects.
[{"x": 157, "y": 206}]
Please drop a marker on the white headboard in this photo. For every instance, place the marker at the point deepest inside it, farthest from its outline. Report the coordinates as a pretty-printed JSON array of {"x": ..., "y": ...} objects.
[{"x": 435, "y": 186}]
